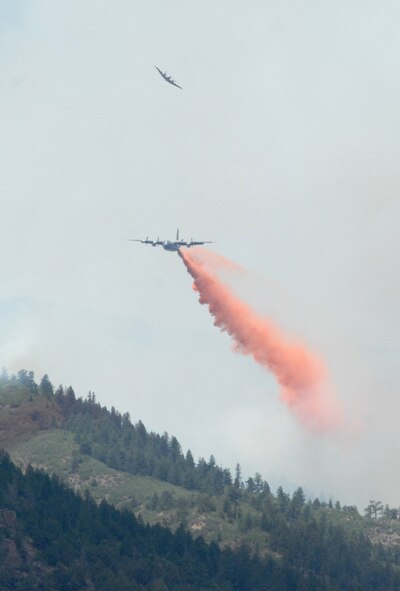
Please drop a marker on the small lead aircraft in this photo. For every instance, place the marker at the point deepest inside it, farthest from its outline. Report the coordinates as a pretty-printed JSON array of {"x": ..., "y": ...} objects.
[
  {"x": 172, "y": 245},
  {"x": 168, "y": 78}
]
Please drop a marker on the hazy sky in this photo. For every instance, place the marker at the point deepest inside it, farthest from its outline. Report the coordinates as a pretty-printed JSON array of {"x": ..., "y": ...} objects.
[{"x": 283, "y": 146}]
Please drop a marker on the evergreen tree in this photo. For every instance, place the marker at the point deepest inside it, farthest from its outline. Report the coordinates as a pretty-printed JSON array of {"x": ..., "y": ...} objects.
[
  {"x": 238, "y": 476},
  {"x": 45, "y": 387}
]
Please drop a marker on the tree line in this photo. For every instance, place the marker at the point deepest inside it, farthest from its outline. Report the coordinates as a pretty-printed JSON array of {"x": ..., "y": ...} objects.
[
  {"x": 55, "y": 539},
  {"x": 112, "y": 438},
  {"x": 305, "y": 539}
]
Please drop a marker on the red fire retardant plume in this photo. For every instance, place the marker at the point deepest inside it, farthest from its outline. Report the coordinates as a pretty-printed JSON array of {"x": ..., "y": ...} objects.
[{"x": 300, "y": 373}]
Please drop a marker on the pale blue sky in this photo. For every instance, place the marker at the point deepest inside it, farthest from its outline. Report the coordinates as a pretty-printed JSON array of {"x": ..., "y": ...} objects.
[{"x": 283, "y": 146}]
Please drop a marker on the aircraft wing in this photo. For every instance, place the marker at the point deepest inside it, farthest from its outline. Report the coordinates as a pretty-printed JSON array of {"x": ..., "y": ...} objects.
[
  {"x": 174, "y": 83},
  {"x": 198, "y": 243},
  {"x": 147, "y": 241}
]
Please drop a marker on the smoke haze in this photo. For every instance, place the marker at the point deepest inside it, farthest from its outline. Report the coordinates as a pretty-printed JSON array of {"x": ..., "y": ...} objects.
[{"x": 292, "y": 168}]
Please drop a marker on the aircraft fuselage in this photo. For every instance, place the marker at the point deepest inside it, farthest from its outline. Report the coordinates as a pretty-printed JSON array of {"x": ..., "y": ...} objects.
[{"x": 171, "y": 246}]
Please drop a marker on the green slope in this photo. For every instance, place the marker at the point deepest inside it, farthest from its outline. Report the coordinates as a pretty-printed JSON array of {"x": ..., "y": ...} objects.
[
  {"x": 55, "y": 451},
  {"x": 51, "y": 538},
  {"x": 102, "y": 452}
]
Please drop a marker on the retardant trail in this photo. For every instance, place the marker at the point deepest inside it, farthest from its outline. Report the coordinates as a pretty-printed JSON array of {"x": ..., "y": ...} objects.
[{"x": 300, "y": 373}]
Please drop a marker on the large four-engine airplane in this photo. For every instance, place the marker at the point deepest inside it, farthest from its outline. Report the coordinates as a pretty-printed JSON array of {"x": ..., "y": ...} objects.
[
  {"x": 168, "y": 78},
  {"x": 172, "y": 245}
]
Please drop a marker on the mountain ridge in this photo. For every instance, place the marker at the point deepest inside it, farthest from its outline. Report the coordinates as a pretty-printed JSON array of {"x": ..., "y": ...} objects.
[{"x": 64, "y": 434}]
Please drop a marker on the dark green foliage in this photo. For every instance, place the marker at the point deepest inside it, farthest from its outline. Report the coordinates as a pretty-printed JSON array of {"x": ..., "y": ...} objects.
[
  {"x": 75, "y": 544},
  {"x": 113, "y": 439},
  {"x": 55, "y": 540},
  {"x": 45, "y": 387},
  {"x": 27, "y": 379}
]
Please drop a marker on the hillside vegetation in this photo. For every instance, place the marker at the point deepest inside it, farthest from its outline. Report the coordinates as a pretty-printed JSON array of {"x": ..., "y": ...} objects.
[
  {"x": 51, "y": 538},
  {"x": 101, "y": 452}
]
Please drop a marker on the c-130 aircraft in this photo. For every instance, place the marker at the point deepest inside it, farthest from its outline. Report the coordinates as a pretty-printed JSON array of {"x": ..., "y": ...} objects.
[{"x": 172, "y": 245}]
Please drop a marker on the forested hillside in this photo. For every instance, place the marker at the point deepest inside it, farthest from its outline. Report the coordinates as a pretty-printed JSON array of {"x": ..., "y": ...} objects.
[
  {"x": 330, "y": 546},
  {"x": 51, "y": 538}
]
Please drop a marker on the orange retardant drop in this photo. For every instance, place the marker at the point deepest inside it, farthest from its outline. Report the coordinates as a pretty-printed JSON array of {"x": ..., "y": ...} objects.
[{"x": 300, "y": 373}]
